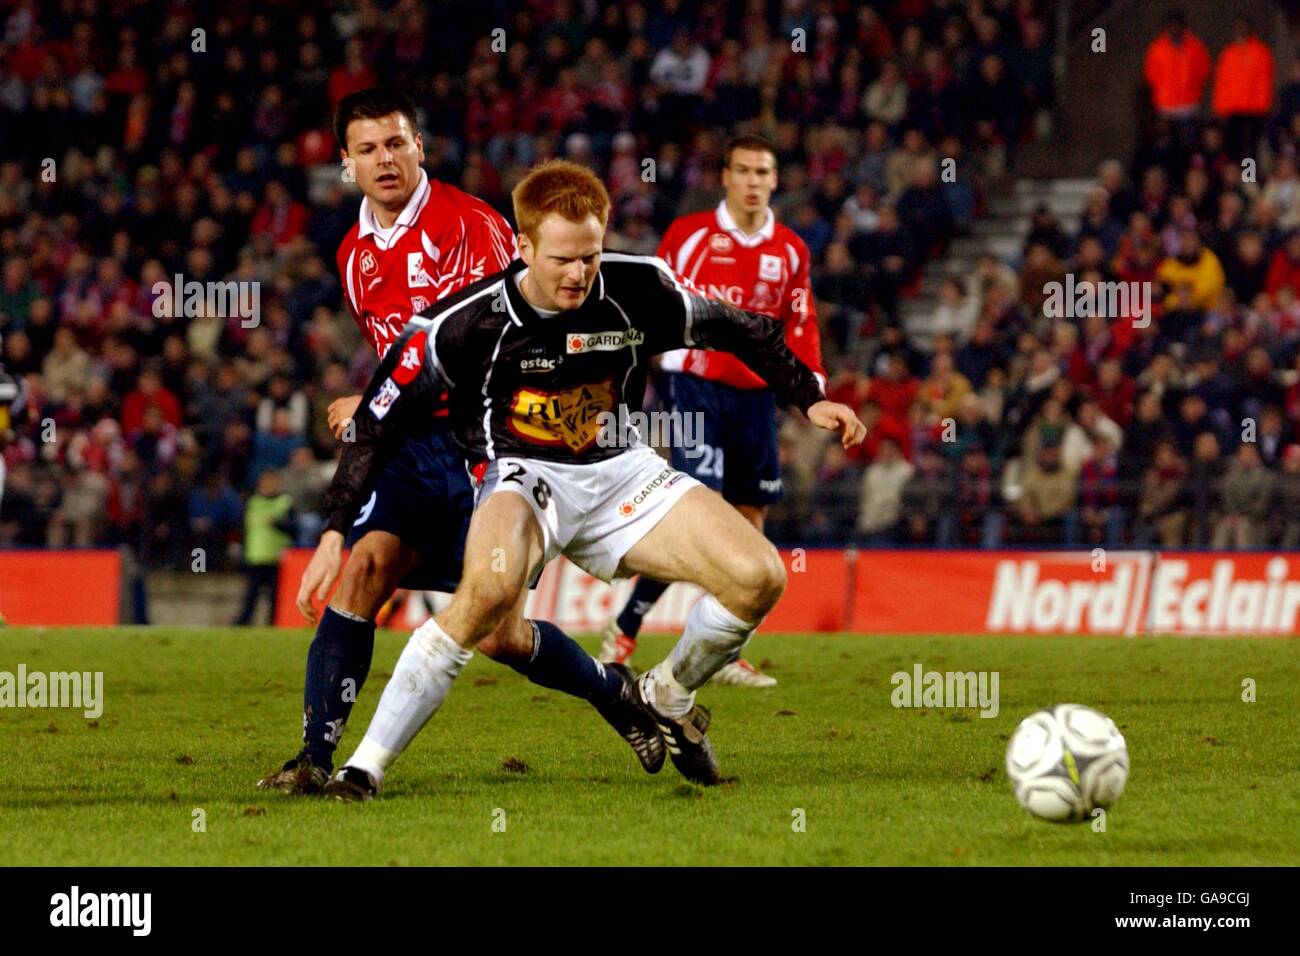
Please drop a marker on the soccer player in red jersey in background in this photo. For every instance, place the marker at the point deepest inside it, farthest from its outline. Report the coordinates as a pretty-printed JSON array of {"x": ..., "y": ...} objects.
[
  {"x": 738, "y": 252},
  {"x": 417, "y": 241}
]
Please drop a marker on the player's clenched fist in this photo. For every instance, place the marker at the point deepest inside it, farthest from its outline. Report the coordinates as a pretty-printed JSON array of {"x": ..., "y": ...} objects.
[
  {"x": 835, "y": 417},
  {"x": 320, "y": 573},
  {"x": 340, "y": 413}
]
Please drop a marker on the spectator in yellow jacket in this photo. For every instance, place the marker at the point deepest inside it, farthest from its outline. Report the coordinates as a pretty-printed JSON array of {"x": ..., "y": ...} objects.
[{"x": 1194, "y": 266}]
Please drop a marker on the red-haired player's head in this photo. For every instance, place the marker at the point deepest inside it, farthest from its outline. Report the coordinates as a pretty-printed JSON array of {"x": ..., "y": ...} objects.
[
  {"x": 376, "y": 130},
  {"x": 561, "y": 210}
]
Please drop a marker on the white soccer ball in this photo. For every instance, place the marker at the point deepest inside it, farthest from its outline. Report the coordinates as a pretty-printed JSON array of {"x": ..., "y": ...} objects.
[{"x": 1065, "y": 761}]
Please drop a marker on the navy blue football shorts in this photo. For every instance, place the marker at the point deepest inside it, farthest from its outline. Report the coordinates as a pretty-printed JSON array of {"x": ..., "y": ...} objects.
[
  {"x": 730, "y": 442},
  {"x": 424, "y": 497}
]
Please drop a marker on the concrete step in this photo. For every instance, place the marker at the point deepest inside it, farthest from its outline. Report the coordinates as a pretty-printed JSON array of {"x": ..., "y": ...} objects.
[
  {"x": 1003, "y": 246},
  {"x": 1005, "y": 207},
  {"x": 1019, "y": 226},
  {"x": 1059, "y": 187}
]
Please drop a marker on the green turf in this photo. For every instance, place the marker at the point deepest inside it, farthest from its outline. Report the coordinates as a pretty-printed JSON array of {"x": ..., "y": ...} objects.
[{"x": 193, "y": 717}]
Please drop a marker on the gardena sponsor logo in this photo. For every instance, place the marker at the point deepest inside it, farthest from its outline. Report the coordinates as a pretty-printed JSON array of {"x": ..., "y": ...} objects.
[
  {"x": 579, "y": 342},
  {"x": 665, "y": 479}
]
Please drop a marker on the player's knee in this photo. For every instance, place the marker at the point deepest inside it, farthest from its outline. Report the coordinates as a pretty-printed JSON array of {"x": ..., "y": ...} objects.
[
  {"x": 511, "y": 640},
  {"x": 493, "y": 646},
  {"x": 489, "y": 598},
  {"x": 373, "y": 565},
  {"x": 760, "y": 578}
]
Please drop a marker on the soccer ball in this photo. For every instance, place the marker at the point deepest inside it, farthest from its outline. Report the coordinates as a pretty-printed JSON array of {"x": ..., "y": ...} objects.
[{"x": 1065, "y": 761}]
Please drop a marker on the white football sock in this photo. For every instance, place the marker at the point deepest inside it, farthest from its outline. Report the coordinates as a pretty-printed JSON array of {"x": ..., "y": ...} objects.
[
  {"x": 713, "y": 638},
  {"x": 420, "y": 682}
]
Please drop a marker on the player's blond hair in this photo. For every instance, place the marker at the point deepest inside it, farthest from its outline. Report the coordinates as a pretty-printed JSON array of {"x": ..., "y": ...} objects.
[{"x": 558, "y": 186}]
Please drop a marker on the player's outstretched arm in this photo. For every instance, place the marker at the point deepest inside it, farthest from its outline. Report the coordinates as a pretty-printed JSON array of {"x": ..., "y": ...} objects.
[
  {"x": 760, "y": 342},
  {"x": 399, "y": 398}
]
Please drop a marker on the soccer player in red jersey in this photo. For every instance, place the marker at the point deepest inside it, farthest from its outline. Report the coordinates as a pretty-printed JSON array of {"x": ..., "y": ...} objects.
[{"x": 740, "y": 253}]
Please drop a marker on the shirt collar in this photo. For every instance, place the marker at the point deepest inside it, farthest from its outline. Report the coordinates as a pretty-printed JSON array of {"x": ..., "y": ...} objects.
[
  {"x": 764, "y": 234},
  {"x": 370, "y": 225}
]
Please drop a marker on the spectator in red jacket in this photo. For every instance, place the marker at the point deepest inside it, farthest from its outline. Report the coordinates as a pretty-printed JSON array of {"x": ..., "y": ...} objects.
[
  {"x": 894, "y": 391},
  {"x": 1243, "y": 88},
  {"x": 280, "y": 215},
  {"x": 880, "y": 428},
  {"x": 1114, "y": 392},
  {"x": 1176, "y": 68},
  {"x": 148, "y": 392},
  {"x": 352, "y": 74},
  {"x": 1284, "y": 270}
]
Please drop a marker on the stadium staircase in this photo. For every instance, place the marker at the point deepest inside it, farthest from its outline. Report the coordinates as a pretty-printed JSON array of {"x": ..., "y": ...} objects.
[
  {"x": 1000, "y": 233},
  {"x": 1101, "y": 110}
]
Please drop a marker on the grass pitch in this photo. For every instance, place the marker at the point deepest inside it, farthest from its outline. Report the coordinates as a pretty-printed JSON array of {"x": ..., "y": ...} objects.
[{"x": 193, "y": 717}]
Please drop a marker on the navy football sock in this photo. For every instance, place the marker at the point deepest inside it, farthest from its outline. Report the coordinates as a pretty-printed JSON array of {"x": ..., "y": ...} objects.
[
  {"x": 644, "y": 594},
  {"x": 560, "y": 663},
  {"x": 340, "y": 653}
]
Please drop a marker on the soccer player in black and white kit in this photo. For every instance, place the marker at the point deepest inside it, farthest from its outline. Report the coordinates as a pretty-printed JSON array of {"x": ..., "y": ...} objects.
[{"x": 538, "y": 360}]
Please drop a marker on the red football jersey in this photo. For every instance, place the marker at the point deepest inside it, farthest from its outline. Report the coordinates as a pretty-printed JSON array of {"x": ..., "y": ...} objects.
[
  {"x": 766, "y": 272},
  {"x": 443, "y": 240}
]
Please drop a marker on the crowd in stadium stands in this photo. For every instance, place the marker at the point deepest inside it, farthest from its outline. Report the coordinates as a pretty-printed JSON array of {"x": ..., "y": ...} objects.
[
  {"x": 134, "y": 149},
  {"x": 1024, "y": 426}
]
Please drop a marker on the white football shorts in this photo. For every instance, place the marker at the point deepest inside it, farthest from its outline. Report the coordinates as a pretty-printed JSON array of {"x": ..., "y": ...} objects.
[{"x": 591, "y": 513}]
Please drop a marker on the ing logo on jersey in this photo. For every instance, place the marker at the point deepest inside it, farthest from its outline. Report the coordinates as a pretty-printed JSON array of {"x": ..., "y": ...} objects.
[{"x": 571, "y": 417}]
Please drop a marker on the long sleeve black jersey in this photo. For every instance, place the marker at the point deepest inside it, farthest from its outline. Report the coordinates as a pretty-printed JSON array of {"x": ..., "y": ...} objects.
[{"x": 527, "y": 385}]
